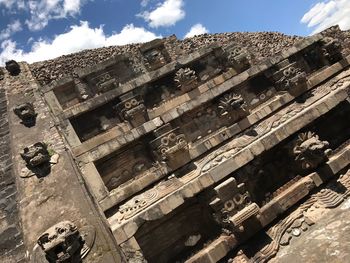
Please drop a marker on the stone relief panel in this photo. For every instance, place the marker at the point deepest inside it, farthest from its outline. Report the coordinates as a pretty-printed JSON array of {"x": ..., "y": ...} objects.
[
  {"x": 309, "y": 151},
  {"x": 105, "y": 82},
  {"x": 99, "y": 120},
  {"x": 186, "y": 79},
  {"x": 238, "y": 58},
  {"x": 232, "y": 205},
  {"x": 107, "y": 75},
  {"x": 155, "y": 54},
  {"x": 132, "y": 109},
  {"x": 233, "y": 105},
  {"x": 124, "y": 165},
  {"x": 175, "y": 236},
  {"x": 201, "y": 122},
  {"x": 170, "y": 146},
  {"x": 289, "y": 76},
  {"x": 331, "y": 50}
]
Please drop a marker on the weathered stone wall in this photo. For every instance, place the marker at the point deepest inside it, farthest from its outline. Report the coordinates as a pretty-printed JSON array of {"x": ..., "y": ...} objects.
[
  {"x": 260, "y": 44},
  {"x": 11, "y": 243},
  {"x": 46, "y": 199}
]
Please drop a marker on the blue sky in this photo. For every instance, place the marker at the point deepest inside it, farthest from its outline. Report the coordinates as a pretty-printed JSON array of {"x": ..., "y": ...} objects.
[{"x": 33, "y": 30}]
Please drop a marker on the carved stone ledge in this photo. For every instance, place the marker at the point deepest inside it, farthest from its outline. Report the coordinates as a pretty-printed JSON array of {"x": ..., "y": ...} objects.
[
  {"x": 310, "y": 151},
  {"x": 170, "y": 147},
  {"x": 186, "y": 79},
  {"x": 132, "y": 109},
  {"x": 26, "y": 113}
]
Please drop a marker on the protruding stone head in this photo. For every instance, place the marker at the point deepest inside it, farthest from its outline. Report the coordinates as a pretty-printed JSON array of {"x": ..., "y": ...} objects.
[
  {"x": 12, "y": 67},
  {"x": 36, "y": 154},
  {"x": 310, "y": 151},
  {"x": 60, "y": 242},
  {"x": 186, "y": 79},
  {"x": 26, "y": 113}
]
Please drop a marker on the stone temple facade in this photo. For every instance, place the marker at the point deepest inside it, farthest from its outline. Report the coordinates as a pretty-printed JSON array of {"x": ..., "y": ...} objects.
[{"x": 219, "y": 148}]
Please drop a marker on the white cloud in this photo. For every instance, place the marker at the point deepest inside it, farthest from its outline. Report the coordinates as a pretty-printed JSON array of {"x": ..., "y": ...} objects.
[
  {"x": 79, "y": 37},
  {"x": 12, "y": 28},
  {"x": 144, "y": 3},
  {"x": 328, "y": 13},
  {"x": 165, "y": 15},
  {"x": 195, "y": 30},
  {"x": 7, "y": 3},
  {"x": 43, "y": 11}
]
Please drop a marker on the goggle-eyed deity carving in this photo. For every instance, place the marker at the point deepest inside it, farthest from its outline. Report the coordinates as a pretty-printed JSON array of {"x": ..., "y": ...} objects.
[
  {"x": 186, "y": 79},
  {"x": 310, "y": 151},
  {"x": 64, "y": 243},
  {"x": 132, "y": 109},
  {"x": 26, "y": 113},
  {"x": 170, "y": 146},
  {"x": 232, "y": 205},
  {"x": 36, "y": 154},
  {"x": 238, "y": 58},
  {"x": 289, "y": 76},
  {"x": 105, "y": 82}
]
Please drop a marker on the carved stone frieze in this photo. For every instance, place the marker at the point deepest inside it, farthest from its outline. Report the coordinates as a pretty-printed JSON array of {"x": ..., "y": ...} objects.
[
  {"x": 310, "y": 151},
  {"x": 238, "y": 58},
  {"x": 106, "y": 82},
  {"x": 63, "y": 243},
  {"x": 36, "y": 154},
  {"x": 289, "y": 77},
  {"x": 155, "y": 54},
  {"x": 186, "y": 79},
  {"x": 132, "y": 109},
  {"x": 139, "y": 202},
  {"x": 232, "y": 104},
  {"x": 232, "y": 205},
  {"x": 12, "y": 67},
  {"x": 26, "y": 113},
  {"x": 303, "y": 217},
  {"x": 154, "y": 59},
  {"x": 170, "y": 146},
  {"x": 331, "y": 49}
]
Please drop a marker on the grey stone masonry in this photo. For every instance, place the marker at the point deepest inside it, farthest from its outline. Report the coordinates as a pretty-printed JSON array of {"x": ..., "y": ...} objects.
[{"x": 11, "y": 241}]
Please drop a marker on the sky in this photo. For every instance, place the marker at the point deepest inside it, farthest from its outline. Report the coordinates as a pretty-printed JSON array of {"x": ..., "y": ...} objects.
[{"x": 35, "y": 30}]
